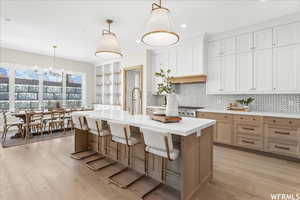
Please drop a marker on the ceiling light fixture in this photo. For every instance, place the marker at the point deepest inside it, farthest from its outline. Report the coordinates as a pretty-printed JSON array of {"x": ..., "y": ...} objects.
[
  {"x": 159, "y": 28},
  {"x": 53, "y": 58},
  {"x": 183, "y": 25},
  {"x": 109, "y": 46}
]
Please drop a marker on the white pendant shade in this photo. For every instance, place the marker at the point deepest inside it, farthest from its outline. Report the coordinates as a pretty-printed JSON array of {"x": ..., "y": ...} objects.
[
  {"x": 109, "y": 47},
  {"x": 159, "y": 29}
]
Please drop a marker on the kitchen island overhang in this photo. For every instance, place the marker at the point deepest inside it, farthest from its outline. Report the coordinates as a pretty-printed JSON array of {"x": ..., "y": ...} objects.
[{"x": 192, "y": 136}]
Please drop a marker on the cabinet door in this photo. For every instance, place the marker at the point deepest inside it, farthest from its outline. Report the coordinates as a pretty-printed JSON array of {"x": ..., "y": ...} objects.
[
  {"x": 263, "y": 39},
  {"x": 214, "y": 49},
  {"x": 228, "y": 46},
  {"x": 245, "y": 72},
  {"x": 244, "y": 43},
  {"x": 213, "y": 76},
  {"x": 185, "y": 61},
  {"x": 263, "y": 70},
  {"x": 287, "y": 34},
  {"x": 224, "y": 132},
  {"x": 228, "y": 71},
  {"x": 286, "y": 68}
]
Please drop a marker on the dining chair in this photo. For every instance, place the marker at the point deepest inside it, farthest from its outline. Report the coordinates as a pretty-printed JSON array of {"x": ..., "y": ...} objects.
[
  {"x": 57, "y": 121},
  {"x": 10, "y": 121},
  {"x": 34, "y": 123}
]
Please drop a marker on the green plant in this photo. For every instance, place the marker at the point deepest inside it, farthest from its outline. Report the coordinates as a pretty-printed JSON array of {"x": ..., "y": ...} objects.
[
  {"x": 165, "y": 87},
  {"x": 245, "y": 101}
]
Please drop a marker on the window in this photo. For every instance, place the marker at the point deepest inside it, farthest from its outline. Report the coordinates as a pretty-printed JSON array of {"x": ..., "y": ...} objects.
[
  {"x": 26, "y": 89},
  {"x": 52, "y": 90},
  {"x": 4, "y": 89},
  {"x": 73, "y": 90}
]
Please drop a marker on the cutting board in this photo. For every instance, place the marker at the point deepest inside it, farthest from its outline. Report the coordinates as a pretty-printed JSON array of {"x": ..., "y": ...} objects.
[{"x": 165, "y": 119}]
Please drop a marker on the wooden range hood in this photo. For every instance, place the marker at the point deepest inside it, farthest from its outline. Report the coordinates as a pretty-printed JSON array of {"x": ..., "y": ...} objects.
[{"x": 189, "y": 79}]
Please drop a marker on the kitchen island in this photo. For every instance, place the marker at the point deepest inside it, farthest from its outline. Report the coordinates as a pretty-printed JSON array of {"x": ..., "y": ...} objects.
[{"x": 192, "y": 136}]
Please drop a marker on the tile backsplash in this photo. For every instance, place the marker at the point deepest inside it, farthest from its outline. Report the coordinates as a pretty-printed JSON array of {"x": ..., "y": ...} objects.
[{"x": 195, "y": 95}]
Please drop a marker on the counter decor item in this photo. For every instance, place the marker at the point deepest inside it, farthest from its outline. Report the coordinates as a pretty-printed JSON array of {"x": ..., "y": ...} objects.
[
  {"x": 165, "y": 87},
  {"x": 172, "y": 105},
  {"x": 165, "y": 119},
  {"x": 244, "y": 104}
]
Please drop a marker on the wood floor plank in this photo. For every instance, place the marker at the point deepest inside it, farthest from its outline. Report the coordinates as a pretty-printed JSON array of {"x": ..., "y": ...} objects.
[{"x": 45, "y": 170}]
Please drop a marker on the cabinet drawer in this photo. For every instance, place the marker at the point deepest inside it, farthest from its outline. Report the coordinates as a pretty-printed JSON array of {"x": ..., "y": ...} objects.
[
  {"x": 284, "y": 149},
  {"x": 248, "y": 118},
  {"x": 283, "y": 133},
  {"x": 215, "y": 116},
  {"x": 282, "y": 121},
  {"x": 249, "y": 129},
  {"x": 250, "y": 143}
]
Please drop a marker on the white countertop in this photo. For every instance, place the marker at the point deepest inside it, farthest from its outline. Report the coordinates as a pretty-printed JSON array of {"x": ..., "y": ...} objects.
[
  {"x": 185, "y": 127},
  {"x": 266, "y": 114}
]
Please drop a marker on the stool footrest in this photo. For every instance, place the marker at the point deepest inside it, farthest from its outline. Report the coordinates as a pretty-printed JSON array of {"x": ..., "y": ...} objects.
[
  {"x": 125, "y": 177},
  {"x": 100, "y": 163},
  {"x": 83, "y": 154}
]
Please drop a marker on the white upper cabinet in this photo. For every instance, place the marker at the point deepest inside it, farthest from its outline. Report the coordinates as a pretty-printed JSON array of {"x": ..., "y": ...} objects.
[
  {"x": 221, "y": 47},
  {"x": 287, "y": 34},
  {"x": 245, "y": 72},
  {"x": 286, "y": 69},
  {"x": 263, "y": 39},
  {"x": 263, "y": 70},
  {"x": 213, "y": 76},
  {"x": 244, "y": 43},
  {"x": 228, "y": 73}
]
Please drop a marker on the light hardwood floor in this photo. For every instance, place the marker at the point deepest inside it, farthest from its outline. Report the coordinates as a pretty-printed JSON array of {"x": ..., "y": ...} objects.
[{"x": 45, "y": 171}]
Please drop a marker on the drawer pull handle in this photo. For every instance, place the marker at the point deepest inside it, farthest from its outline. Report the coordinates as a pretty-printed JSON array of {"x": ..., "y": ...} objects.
[
  {"x": 248, "y": 142},
  {"x": 290, "y": 122},
  {"x": 283, "y": 148},
  {"x": 248, "y": 129},
  {"x": 274, "y": 120},
  {"x": 282, "y": 133}
]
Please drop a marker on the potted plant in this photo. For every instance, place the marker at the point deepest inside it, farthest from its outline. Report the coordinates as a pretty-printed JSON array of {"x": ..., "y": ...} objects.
[
  {"x": 165, "y": 87},
  {"x": 246, "y": 102}
]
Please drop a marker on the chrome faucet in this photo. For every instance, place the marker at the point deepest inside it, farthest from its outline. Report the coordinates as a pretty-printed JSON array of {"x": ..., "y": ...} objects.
[{"x": 134, "y": 100}]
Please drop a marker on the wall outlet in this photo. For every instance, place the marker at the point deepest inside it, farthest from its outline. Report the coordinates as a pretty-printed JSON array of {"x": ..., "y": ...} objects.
[{"x": 219, "y": 101}]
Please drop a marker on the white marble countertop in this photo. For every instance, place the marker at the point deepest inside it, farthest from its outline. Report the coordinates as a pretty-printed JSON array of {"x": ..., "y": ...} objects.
[
  {"x": 185, "y": 127},
  {"x": 266, "y": 114}
]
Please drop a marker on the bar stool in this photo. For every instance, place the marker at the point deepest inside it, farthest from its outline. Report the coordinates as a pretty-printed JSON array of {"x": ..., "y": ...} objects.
[
  {"x": 79, "y": 123},
  {"x": 160, "y": 144},
  {"x": 96, "y": 127},
  {"x": 121, "y": 134}
]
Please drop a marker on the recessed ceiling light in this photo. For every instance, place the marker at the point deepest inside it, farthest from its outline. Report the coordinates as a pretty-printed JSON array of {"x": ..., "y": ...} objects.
[
  {"x": 262, "y": 1},
  {"x": 183, "y": 25}
]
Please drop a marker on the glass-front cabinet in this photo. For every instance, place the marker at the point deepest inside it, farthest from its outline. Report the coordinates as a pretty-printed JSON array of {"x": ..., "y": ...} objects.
[{"x": 108, "y": 84}]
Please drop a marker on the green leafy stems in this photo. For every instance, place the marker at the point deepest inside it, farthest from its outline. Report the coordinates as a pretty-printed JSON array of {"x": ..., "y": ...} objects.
[
  {"x": 246, "y": 101},
  {"x": 165, "y": 87}
]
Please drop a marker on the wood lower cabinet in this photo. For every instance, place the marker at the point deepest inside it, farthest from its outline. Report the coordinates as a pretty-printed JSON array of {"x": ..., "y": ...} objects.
[
  {"x": 223, "y": 131},
  {"x": 269, "y": 134}
]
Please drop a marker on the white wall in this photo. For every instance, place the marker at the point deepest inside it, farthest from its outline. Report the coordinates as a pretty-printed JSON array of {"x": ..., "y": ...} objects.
[{"x": 43, "y": 61}]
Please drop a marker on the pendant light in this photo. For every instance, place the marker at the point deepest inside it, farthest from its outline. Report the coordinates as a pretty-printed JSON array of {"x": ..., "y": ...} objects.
[
  {"x": 159, "y": 28},
  {"x": 53, "y": 59},
  {"x": 109, "y": 46}
]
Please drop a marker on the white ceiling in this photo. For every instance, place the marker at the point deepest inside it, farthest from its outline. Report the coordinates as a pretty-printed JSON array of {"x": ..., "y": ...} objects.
[{"x": 75, "y": 26}]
